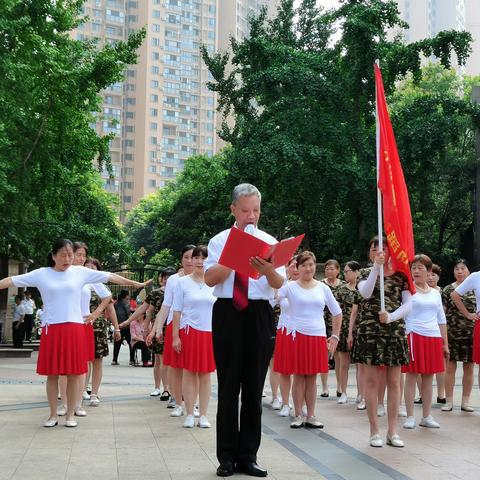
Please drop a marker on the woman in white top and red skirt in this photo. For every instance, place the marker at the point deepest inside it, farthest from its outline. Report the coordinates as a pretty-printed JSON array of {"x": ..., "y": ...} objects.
[
  {"x": 165, "y": 316},
  {"x": 281, "y": 354},
  {"x": 192, "y": 337},
  {"x": 306, "y": 344},
  {"x": 63, "y": 350},
  {"x": 426, "y": 328}
]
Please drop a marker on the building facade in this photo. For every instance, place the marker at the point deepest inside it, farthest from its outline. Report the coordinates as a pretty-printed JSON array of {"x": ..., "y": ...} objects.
[
  {"x": 163, "y": 113},
  {"x": 427, "y": 18}
]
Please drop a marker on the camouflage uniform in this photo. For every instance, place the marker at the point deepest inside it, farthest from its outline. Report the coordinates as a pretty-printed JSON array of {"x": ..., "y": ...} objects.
[
  {"x": 378, "y": 343},
  {"x": 346, "y": 298},
  {"x": 100, "y": 329},
  {"x": 155, "y": 298},
  {"x": 326, "y": 314},
  {"x": 459, "y": 328}
]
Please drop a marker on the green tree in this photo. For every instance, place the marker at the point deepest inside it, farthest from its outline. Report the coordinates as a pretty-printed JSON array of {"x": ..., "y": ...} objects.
[
  {"x": 302, "y": 104},
  {"x": 49, "y": 94},
  {"x": 434, "y": 121}
]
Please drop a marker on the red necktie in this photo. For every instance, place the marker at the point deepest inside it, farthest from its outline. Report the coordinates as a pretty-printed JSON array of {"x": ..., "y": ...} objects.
[{"x": 240, "y": 292}]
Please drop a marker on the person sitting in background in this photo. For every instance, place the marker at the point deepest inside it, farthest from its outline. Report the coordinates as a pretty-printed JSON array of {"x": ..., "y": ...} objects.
[
  {"x": 18, "y": 325},
  {"x": 137, "y": 342}
]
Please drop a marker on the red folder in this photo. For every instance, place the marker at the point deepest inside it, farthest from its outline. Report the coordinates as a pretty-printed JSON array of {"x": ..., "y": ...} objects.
[{"x": 241, "y": 246}]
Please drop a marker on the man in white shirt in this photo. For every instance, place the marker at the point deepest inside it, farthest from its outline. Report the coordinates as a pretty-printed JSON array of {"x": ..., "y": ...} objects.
[
  {"x": 243, "y": 331},
  {"x": 18, "y": 330},
  {"x": 29, "y": 320}
]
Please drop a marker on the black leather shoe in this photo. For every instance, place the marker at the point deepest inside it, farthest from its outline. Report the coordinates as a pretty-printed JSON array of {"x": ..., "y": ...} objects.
[
  {"x": 225, "y": 469},
  {"x": 252, "y": 469}
]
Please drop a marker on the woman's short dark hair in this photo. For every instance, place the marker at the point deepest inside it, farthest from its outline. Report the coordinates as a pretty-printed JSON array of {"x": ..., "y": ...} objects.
[
  {"x": 78, "y": 245},
  {"x": 374, "y": 241},
  {"x": 353, "y": 265},
  {"x": 200, "y": 250},
  {"x": 185, "y": 249},
  {"x": 333, "y": 262},
  {"x": 95, "y": 262},
  {"x": 302, "y": 257},
  {"x": 58, "y": 245},
  {"x": 167, "y": 272},
  {"x": 459, "y": 261},
  {"x": 423, "y": 259},
  {"x": 123, "y": 294},
  {"x": 437, "y": 269}
]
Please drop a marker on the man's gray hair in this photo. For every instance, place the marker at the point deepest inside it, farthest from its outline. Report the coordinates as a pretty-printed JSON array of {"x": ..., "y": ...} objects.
[{"x": 245, "y": 190}]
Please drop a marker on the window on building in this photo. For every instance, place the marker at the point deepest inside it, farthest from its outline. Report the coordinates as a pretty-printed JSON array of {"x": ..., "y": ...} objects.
[
  {"x": 152, "y": 183},
  {"x": 154, "y": 112},
  {"x": 153, "y": 126}
]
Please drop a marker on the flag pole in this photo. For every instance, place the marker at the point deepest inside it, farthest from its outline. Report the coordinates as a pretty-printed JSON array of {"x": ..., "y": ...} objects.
[{"x": 379, "y": 200}]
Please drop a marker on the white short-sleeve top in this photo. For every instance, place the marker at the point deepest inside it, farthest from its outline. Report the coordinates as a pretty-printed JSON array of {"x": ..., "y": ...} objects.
[
  {"x": 100, "y": 289},
  {"x": 195, "y": 302},
  {"x": 472, "y": 282},
  {"x": 426, "y": 314},
  {"x": 306, "y": 307},
  {"x": 61, "y": 291},
  {"x": 168, "y": 296}
]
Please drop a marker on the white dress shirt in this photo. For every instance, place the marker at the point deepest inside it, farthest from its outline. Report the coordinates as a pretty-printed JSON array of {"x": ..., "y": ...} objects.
[
  {"x": 426, "y": 314},
  {"x": 257, "y": 289},
  {"x": 472, "y": 282}
]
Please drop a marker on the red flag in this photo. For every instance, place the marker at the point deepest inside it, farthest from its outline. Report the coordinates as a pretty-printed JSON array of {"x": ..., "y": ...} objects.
[{"x": 397, "y": 217}]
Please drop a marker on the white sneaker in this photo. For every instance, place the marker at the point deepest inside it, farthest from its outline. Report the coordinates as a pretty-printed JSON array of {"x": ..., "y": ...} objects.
[
  {"x": 342, "y": 400},
  {"x": 61, "y": 410},
  {"x": 203, "y": 422},
  {"x": 189, "y": 421},
  {"x": 409, "y": 422},
  {"x": 85, "y": 395},
  {"x": 361, "y": 405},
  {"x": 155, "y": 393},
  {"x": 395, "y": 441},
  {"x": 285, "y": 411},
  {"x": 177, "y": 411},
  {"x": 171, "y": 402},
  {"x": 380, "y": 410},
  {"x": 429, "y": 422},
  {"x": 94, "y": 401},
  {"x": 298, "y": 422},
  {"x": 376, "y": 441},
  {"x": 276, "y": 404},
  {"x": 402, "y": 412},
  {"x": 51, "y": 422},
  {"x": 80, "y": 412}
]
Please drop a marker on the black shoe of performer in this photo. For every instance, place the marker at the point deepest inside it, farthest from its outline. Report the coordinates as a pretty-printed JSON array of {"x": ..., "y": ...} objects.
[
  {"x": 225, "y": 469},
  {"x": 339, "y": 394},
  {"x": 251, "y": 468},
  {"x": 418, "y": 401},
  {"x": 441, "y": 400}
]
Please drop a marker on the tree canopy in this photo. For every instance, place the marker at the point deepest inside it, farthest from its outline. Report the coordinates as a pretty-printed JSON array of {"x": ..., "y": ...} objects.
[
  {"x": 297, "y": 98},
  {"x": 49, "y": 154}
]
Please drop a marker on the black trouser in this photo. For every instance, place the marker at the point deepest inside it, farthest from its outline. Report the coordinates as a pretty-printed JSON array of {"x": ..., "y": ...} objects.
[
  {"x": 125, "y": 333},
  {"x": 145, "y": 351},
  {"x": 28, "y": 320},
  {"x": 243, "y": 345},
  {"x": 18, "y": 332}
]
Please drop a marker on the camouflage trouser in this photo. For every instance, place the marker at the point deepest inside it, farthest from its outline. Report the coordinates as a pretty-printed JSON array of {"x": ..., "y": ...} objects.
[
  {"x": 328, "y": 324},
  {"x": 391, "y": 351},
  {"x": 460, "y": 345},
  {"x": 100, "y": 331}
]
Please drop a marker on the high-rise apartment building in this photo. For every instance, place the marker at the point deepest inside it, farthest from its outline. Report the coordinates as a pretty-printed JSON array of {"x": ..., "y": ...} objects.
[
  {"x": 162, "y": 113},
  {"x": 428, "y": 17}
]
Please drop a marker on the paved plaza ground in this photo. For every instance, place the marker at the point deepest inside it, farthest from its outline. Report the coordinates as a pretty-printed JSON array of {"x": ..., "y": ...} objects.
[{"x": 131, "y": 436}]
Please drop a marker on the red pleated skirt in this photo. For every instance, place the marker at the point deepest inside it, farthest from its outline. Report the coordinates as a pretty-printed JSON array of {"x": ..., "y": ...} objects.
[
  {"x": 302, "y": 355},
  {"x": 90, "y": 342},
  {"x": 63, "y": 350},
  {"x": 170, "y": 357},
  {"x": 280, "y": 352},
  {"x": 476, "y": 343},
  {"x": 425, "y": 353},
  {"x": 197, "y": 350}
]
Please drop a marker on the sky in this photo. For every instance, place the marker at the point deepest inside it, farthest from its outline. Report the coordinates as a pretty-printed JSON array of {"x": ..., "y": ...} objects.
[{"x": 323, "y": 3}]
